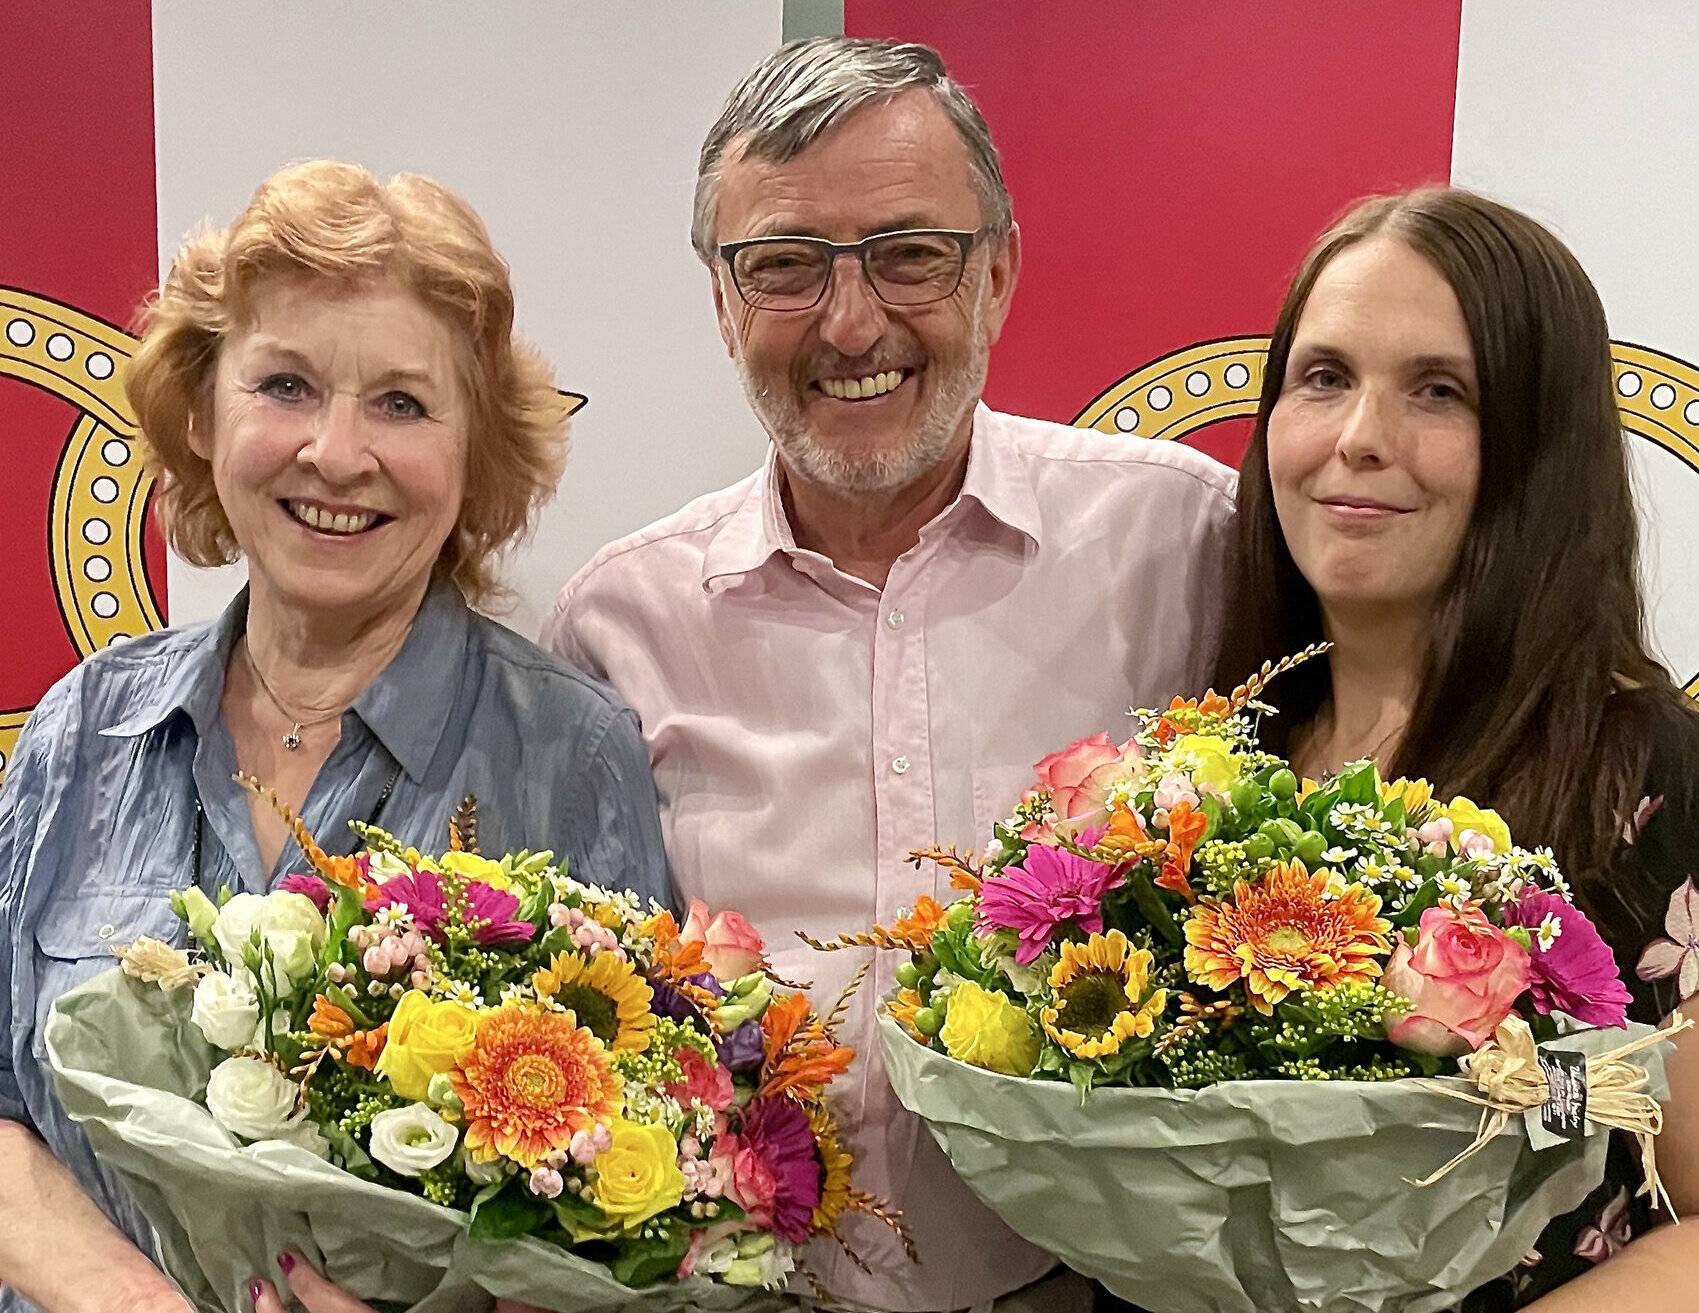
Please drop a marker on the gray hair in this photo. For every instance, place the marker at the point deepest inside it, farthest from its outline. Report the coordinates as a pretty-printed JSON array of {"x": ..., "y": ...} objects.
[{"x": 806, "y": 88}]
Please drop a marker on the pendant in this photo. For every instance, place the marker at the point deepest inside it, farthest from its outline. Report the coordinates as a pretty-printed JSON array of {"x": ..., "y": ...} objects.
[{"x": 292, "y": 739}]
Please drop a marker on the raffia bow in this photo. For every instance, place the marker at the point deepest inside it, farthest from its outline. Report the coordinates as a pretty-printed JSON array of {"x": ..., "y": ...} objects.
[{"x": 1506, "y": 1072}]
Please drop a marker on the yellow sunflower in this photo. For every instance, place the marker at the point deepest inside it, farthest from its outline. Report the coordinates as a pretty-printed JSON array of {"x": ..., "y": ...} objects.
[
  {"x": 1283, "y": 933},
  {"x": 605, "y": 993},
  {"x": 1100, "y": 1004},
  {"x": 836, "y": 1164}
]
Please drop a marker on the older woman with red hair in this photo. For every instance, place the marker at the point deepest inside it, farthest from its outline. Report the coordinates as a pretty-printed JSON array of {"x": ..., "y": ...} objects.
[{"x": 329, "y": 389}]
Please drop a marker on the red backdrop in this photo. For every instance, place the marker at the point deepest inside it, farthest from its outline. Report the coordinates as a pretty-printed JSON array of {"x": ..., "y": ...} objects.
[
  {"x": 1171, "y": 163},
  {"x": 77, "y": 225}
]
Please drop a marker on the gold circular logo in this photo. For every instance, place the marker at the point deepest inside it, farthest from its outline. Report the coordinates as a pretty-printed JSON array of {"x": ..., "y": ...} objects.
[
  {"x": 1657, "y": 395},
  {"x": 100, "y": 490}
]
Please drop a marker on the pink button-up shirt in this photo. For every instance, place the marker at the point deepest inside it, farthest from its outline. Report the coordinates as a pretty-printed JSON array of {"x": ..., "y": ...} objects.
[{"x": 808, "y": 729}]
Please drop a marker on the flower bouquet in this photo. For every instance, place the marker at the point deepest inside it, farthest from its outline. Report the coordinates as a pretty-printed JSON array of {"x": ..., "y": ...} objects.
[
  {"x": 1225, "y": 1039},
  {"x": 459, "y": 1077}
]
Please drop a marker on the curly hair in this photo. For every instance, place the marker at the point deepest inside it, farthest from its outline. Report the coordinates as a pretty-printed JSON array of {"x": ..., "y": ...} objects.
[{"x": 336, "y": 221}]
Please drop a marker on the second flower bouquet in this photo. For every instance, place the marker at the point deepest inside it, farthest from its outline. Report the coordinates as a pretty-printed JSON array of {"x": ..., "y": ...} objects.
[{"x": 1281, "y": 970}]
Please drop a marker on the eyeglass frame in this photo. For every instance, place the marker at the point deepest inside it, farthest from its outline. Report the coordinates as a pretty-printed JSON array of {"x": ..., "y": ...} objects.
[{"x": 964, "y": 238}]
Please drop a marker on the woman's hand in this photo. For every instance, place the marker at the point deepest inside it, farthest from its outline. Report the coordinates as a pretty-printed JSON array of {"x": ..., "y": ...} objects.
[{"x": 312, "y": 1291}]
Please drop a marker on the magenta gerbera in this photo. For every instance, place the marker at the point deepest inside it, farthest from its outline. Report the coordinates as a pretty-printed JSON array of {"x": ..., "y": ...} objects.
[
  {"x": 419, "y": 894},
  {"x": 775, "y": 1144},
  {"x": 1050, "y": 886},
  {"x": 490, "y": 912},
  {"x": 1574, "y": 970}
]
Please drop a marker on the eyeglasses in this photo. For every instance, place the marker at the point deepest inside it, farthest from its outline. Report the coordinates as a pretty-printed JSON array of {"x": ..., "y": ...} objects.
[{"x": 915, "y": 267}]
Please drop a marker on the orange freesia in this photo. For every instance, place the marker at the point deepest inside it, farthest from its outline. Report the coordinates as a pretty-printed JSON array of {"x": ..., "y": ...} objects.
[
  {"x": 918, "y": 926},
  {"x": 329, "y": 1021},
  {"x": 1185, "y": 828},
  {"x": 800, "y": 1059},
  {"x": 365, "y": 1047},
  {"x": 1212, "y": 706},
  {"x": 675, "y": 960}
]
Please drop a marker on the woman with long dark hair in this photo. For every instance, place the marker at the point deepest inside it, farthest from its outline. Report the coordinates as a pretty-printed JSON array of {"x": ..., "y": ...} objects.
[{"x": 1437, "y": 484}]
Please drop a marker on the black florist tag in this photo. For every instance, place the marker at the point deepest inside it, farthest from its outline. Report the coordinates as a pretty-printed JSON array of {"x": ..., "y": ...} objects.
[{"x": 1565, "y": 1109}]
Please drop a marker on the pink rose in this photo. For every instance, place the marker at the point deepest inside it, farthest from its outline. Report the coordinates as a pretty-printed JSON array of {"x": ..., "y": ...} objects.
[
  {"x": 730, "y": 945},
  {"x": 704, "y": 1080},
  {"x": 750, "y": 1183},
  {"x": 1462, "y": 978},
  {"x": 1079, "y": 779}
]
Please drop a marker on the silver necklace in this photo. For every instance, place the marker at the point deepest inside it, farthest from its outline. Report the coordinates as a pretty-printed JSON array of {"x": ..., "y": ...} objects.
[{"x": 291, "y": 740}]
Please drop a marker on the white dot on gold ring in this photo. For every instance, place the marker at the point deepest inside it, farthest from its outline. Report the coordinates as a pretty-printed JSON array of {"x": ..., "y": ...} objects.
[
  {"x": 97, "y": 569},
  {"x": 99, "y": 365},
  {"x": 1690, "y": 413},
  {"x": 1160, "y": 398},
  {"x": 1197, "y": 382},
  {"x": 104, "y": 489},
  {"x": 1662, "y": 396},
  {"x": 60, "y": 347},
  {"x": 1628, "y": 384},
  {"x": 20, "y": 332},
  {"x": 115, "y": 452},
  {"x": 1126, "y": 419},
  {"x": 104, "y": 605},
  {"x": 1236, "y": 375},
  {"x": 96, "y": 531}
]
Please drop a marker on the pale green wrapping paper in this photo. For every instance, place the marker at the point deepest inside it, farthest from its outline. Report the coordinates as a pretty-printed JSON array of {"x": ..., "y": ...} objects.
[
  {"x": 128, "y": 1065},
  {"x": 1256, "y": 1196}
]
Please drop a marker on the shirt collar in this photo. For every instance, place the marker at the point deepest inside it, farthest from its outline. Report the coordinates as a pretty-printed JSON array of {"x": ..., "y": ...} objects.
[
  {"x": 997, "y": 479},
  {"x": 193, "y": 682},
  {"x": 752, "y": 534},
  {"x": 406, "y": 707}
]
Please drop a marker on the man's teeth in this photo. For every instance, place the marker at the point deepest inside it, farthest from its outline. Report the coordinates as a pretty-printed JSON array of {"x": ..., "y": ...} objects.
[
  {"x": 326, "y": 522},
  {"x": 857, "y": 389}
]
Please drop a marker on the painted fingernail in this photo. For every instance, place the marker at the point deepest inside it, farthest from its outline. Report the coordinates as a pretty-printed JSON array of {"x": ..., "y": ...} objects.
[
  {"x": 286, "y": 1261},
  {"x": 255, "y": 1290}
]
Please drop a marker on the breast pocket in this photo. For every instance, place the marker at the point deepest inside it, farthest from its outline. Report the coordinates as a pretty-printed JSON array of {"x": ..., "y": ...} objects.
[{"x": 75, "y": 937}]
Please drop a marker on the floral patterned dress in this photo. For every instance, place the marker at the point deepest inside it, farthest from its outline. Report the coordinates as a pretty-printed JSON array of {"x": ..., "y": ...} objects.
[{"x": 1651, "y": 921}]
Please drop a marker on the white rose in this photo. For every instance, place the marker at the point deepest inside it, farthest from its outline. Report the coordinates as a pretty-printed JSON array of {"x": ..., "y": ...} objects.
[
  {"x": 253, "y": 1099},
  {"x": 411, "y": 1140},
  {"x": 287, "y": 925},
  {"x": 225, "y": 1011}
]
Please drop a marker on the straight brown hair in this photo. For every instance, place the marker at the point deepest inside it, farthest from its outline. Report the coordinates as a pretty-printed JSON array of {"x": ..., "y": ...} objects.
[{"x": 1539, "y": 695}]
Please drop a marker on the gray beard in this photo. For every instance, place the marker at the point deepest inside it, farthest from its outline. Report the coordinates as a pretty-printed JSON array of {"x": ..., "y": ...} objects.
[{"x": 782, "y": 416}]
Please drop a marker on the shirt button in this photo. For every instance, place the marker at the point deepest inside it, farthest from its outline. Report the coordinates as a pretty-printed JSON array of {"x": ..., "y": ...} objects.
[
  {"x": 900, "y": 765},
  {"x": 107, "y": 931},
  {"x": 895, "y": 619}
]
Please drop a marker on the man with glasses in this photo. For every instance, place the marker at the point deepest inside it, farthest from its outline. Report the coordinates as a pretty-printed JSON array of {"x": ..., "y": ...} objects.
[{"x": 863, "y": 647}]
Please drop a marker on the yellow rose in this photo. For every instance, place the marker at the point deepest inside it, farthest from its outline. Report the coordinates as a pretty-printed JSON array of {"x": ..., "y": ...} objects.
[
  {"x": 637, "y": 1175},
  {"x": 1465, "y": 815},
  {"x": 470, "y": 866},
  {"x": 424, "y": 1039},
  {"x": 1414, "y": 794},
  {"x": 985, "y": 1029},
  {"x": 1208, "y": 759}
]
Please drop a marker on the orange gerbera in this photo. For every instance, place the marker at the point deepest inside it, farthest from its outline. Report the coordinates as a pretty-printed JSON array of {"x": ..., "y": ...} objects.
[
  {"x": 1284, "y": 933},
  {"x": 531, "y": 1080}
]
